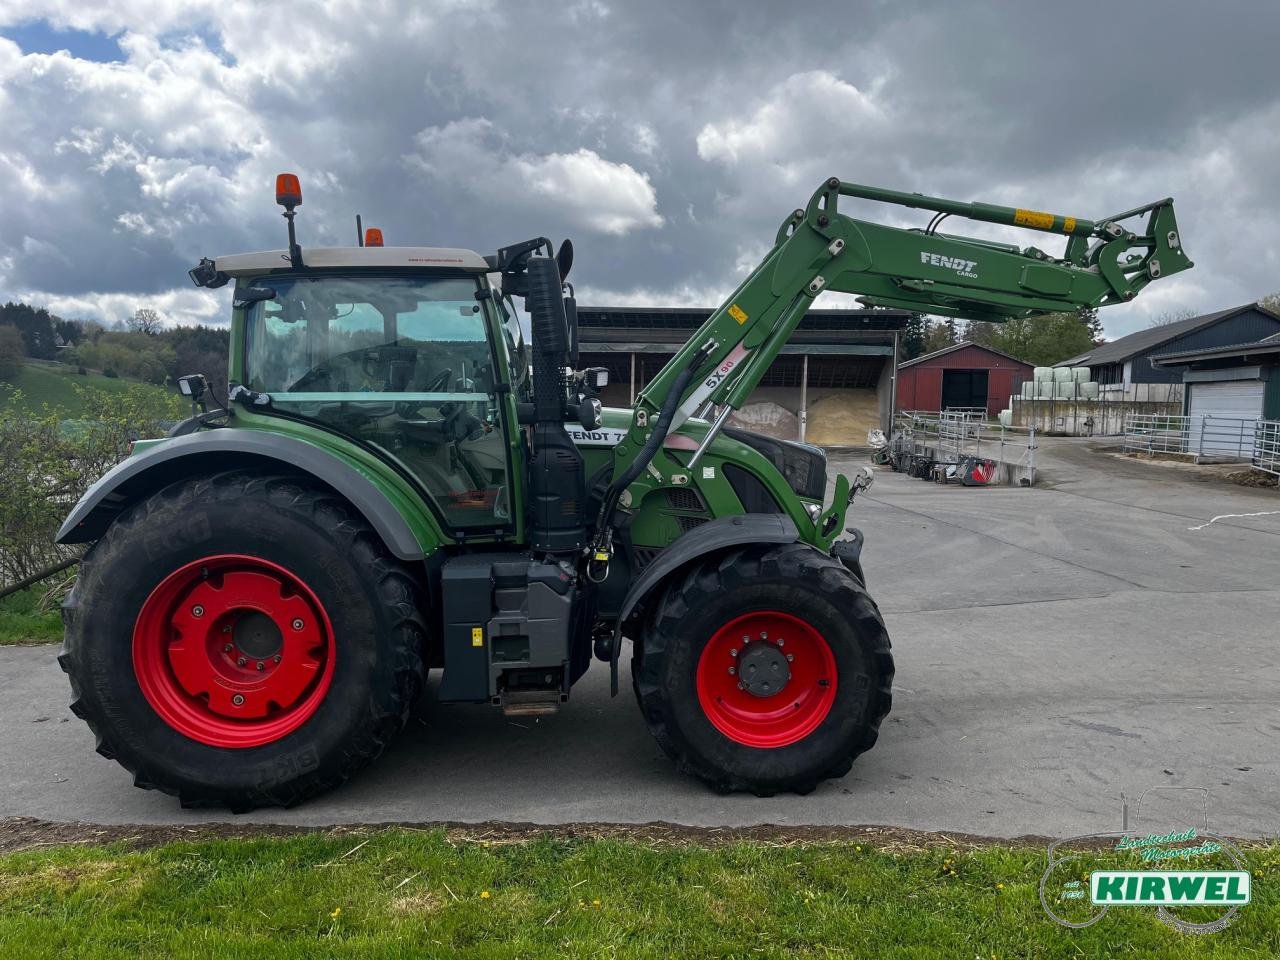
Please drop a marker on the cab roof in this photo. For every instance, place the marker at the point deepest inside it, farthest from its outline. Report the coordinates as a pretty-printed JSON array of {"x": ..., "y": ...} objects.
[{"x": 328, "y": 258}]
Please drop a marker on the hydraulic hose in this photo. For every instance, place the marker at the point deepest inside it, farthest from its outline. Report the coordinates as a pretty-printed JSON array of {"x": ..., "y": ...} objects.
[
  {"x": 604, "y": 522},
  {"x": 646, "y": 454}
]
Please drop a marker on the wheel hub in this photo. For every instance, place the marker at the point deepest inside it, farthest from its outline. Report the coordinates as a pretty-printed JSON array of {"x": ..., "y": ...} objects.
[
  {"x": 766, "y": 679},
  {"x": 233, "y": 651},
  {"x": 763, "y": 669}
]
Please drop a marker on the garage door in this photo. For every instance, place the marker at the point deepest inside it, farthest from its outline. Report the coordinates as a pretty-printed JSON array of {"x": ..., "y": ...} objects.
[{"x": 1224, "y": 404}]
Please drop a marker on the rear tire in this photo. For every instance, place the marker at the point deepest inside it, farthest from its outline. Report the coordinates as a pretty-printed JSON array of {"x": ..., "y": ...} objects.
[
  {"x": 322, "y": 624},
  {"x": 760, "y": 738}
]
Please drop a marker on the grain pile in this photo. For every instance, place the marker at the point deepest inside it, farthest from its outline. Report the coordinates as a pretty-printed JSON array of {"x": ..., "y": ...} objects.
[{"x": 843, "y": 419}]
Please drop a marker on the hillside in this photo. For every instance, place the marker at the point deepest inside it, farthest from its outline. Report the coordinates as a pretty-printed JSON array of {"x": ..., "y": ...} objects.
[{"x": 54, "y": 384}]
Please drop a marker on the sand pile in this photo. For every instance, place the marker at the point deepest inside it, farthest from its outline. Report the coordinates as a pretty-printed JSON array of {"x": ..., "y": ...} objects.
[{"x": 843, "y": 419}]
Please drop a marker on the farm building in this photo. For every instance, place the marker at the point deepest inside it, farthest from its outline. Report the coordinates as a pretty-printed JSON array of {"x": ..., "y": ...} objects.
[
  {"x": 1121, "y": 364},
  {"x": 964, "y": 376},
  {"x": 832, "y": 382},
  {"x": 1239, "y": 381}
]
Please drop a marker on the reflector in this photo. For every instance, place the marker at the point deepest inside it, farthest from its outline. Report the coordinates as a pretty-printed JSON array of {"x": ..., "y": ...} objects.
[
  {"x": 288, "y": 190},
  {"x": 373, "y": 237}
]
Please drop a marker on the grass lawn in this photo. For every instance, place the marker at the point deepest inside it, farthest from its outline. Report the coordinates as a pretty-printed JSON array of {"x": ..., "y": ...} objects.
[
  {"x": 22, "y": 621},
  {"x": 404, "y": 893},
  {"x": 53, "y": 385}
]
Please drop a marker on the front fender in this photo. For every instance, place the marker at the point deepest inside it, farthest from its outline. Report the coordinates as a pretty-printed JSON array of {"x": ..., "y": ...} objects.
[
  {"x": 711, "y": 537},
  {"x": 209, "y": 451}
]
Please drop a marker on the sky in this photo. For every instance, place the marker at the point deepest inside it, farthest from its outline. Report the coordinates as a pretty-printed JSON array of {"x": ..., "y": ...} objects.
[{"x": 668, "y": 140}]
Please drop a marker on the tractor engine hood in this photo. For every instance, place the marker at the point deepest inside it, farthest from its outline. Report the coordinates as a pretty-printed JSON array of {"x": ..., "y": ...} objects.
[{"x": 802, "y": 465}]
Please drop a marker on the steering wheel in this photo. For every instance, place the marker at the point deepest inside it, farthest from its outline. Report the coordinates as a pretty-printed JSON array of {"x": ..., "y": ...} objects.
[{"x": 407, "y": 410}]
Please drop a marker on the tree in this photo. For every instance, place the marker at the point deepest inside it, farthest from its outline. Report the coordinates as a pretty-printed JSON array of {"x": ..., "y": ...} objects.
[
  {"x": 1270, "y": 302},
  {"x": 1170, "y": 316},
  {"x": 941, "y": 334},
  {"x": 12, "y": 352},
  {"x": 982, "y": 331},
  {"x": 914, "y": 334},
  {"x": 1045, "y": 340},
  {"x": 36, "y": 327},
  {"x": 1091, "y": 320},
  {"x": 145, "y": 320}
]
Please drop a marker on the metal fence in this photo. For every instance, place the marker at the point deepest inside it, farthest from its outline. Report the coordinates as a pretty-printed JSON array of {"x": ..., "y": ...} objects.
[
  {"x": 954, "y": 436},
  {"x": 1204, "y": 437},
  {"x": 1266, "y": 446}
]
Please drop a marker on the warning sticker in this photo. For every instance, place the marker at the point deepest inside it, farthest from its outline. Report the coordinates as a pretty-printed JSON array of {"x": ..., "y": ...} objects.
[
  {"x": 477, "y": 636},
  {"x": 1068, "y": 224},
  {"x": 1033, "y": 218},
  {"x": 738, "y": 313}
]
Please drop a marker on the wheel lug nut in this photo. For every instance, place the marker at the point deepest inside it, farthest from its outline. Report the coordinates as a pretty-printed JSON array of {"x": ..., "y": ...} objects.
[
  {"x": 733, "y": 652},
  {"x": 261, "y": 665},
  {"x": 240, "y": 661},
  {"x": 238, "y": 700},
  {"x": 742, "y": 686},
  {"x": 732, "y": 671},
  {"x": 297, "y": 623},
  {"x": 781, "y": 642},
  {"x": 276, "y": 658},
  {"x": 790, "y": 657},
  {"x": 228, "y": 648},
  {"x": 197, "y": 611}
]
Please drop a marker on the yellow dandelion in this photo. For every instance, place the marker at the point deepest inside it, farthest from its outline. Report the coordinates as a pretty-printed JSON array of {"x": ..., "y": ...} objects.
[
  {"x": 595, "y": 903},
  {"x": 336, "y": 913},
  {"x": 859, "y": 849},
  {"x": 999, "y": 886},
  {"x": 484, "y": 894}
]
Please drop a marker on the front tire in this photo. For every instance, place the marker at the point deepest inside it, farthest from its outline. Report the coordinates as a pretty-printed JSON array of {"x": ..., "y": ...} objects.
[
  {"x": 242, "y": 640},
  {"x": 765, "y": 670}
]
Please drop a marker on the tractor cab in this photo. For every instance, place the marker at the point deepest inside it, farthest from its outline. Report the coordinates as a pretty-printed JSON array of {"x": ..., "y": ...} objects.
[{"x": 419, "y": 362}]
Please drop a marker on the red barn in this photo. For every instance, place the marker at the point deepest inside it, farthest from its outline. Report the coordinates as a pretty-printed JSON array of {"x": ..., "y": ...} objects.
[{"x": 965, "y": 375}]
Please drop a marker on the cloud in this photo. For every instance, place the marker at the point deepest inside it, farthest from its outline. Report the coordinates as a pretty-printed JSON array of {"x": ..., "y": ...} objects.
[
  {"x": 582, "y": 187},
  {"x": 673, "y": 138}
]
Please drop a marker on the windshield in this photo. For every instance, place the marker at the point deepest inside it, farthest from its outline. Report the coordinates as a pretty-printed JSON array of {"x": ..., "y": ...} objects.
[
  {"x": 385, "y": 335},
  {"x": 400, "y": 363}
]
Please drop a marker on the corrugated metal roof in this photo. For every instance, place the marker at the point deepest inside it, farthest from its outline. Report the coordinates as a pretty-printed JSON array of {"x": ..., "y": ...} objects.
[
  {"x": 1269, "y": 344},
  {"x": 960, "y": 346},
  {"x": 1144, "y": 341}
]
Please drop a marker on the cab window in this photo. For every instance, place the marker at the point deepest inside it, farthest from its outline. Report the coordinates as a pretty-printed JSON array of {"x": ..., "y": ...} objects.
[{"x": 403, "y": 364}]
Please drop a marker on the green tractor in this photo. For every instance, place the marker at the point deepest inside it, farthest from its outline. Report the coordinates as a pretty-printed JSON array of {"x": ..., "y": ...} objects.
[{"x": 397, "y": 482}]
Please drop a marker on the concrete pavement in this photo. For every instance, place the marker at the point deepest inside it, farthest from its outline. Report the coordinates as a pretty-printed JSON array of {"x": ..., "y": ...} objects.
[{"x": 1055, "y": 647}]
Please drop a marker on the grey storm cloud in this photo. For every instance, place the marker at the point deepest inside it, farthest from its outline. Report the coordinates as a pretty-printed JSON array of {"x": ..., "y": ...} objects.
[{"x": 668, "y": 139}]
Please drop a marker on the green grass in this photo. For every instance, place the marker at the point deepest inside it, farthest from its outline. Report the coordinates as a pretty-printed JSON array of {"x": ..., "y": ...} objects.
[
  {"x": 42, "y": 384},
  {"x": 22, "y": 620},
  {"x": 401, "y": 893}
]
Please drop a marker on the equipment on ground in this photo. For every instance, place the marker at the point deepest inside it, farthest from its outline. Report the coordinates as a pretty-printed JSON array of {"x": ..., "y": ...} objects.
[{"x": 400, "y": 483}]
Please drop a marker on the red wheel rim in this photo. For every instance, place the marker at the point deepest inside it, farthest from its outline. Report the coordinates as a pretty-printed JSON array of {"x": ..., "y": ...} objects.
[
  {"x": 233, "y": 651},
  {"x": 766, "y": 679}
]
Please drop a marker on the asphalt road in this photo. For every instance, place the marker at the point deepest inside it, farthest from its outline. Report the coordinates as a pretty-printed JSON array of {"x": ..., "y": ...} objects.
[{"x": 1055, "y": 647}]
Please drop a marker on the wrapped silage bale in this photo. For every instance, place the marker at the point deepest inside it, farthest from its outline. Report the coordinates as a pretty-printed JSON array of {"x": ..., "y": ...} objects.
[
  {"x": 1080, "y": 374},
  {"x": 1065, "y": 390},
  {"x": 1089, "y": 390},
  {"x": 1062, "y": 375},
  {"x": 1042, "y": 374},
  {"x": 1028, "y": 389},
  {"x": 1006, "y": 418}
]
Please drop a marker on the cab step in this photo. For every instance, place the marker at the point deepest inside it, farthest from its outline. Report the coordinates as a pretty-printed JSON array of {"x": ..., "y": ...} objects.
[{"x": 530, "y": 703}]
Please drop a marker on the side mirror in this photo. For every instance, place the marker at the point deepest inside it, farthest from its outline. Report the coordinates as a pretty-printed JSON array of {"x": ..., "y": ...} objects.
[
  {"x": 863, "y": 479},
  {"x": 564, "y": 259}
]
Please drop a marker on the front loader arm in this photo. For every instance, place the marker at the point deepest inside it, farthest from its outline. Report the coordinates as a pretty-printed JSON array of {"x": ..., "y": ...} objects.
[{"x": 820, "y": 249}]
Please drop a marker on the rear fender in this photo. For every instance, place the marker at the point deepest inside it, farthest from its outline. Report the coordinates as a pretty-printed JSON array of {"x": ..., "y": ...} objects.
[{"x": 200, "y": 454}]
